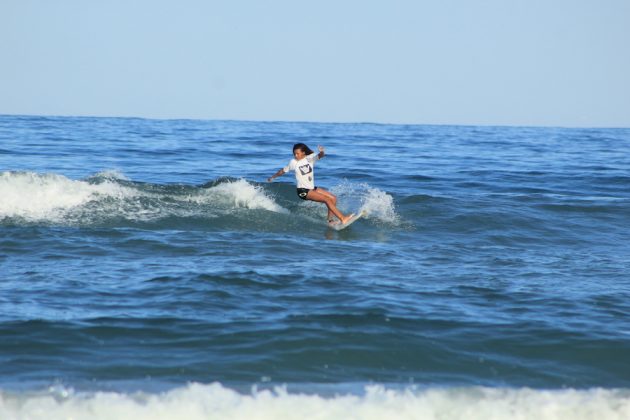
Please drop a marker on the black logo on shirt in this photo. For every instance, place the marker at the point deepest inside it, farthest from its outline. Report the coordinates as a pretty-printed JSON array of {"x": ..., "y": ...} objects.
[{"x": 306, "y": 169}]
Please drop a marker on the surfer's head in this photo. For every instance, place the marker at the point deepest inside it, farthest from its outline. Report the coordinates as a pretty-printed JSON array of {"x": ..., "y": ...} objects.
[{"x": 300, "y": 151}]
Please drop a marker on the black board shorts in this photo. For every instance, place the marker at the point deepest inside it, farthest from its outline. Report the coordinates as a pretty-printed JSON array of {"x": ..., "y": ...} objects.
[{"x": 303, "y": 192}]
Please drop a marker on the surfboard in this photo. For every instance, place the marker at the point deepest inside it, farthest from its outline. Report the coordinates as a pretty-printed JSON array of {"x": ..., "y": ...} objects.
[{"x": 341, "y": 226}]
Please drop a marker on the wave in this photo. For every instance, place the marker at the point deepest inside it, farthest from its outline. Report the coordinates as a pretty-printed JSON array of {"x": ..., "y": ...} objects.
[
  {"x": 197, "y": 401},
  {"x": 109, "y": 199}
]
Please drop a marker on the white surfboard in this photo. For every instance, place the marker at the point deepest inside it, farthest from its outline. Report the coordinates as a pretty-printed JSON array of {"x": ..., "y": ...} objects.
[{"x": 341, "y": 226}]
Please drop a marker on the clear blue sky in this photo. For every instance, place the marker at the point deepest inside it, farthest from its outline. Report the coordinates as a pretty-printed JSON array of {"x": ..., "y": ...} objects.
[{"x": 503, "y": 62}]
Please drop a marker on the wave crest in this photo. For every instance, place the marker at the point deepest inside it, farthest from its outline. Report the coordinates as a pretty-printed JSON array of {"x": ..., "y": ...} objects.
[
  {"x": 38, "y": 197},
  {"x": 106, "y": 197},
  {"x": 240, "y": 194}
]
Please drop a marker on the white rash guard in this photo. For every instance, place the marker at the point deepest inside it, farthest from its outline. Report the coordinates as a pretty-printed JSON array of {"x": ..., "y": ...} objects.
[{"x": 304, "y": 170}]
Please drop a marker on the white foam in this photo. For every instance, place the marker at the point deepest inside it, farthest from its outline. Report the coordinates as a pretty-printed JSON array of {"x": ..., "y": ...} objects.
[
  {"x": 34, "y": 197},
  {"x": 240, "y": 194},
  {"x": 215, "y": 401}
]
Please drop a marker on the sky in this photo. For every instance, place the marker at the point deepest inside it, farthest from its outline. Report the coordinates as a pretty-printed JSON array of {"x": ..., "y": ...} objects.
[{"x": 472, "y": 62}]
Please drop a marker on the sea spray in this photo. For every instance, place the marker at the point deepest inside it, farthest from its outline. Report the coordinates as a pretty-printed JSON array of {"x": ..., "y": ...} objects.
[{"x": 378, "y": 205}]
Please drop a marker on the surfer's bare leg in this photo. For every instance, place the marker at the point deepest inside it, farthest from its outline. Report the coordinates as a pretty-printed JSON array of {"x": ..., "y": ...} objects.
[
  {"x": 333, "y": 198},
  {"x": 323, "y": 196}
]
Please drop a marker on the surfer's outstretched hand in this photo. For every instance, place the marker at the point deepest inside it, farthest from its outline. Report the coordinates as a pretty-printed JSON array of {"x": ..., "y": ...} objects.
[{"x": 321, "y": 153}]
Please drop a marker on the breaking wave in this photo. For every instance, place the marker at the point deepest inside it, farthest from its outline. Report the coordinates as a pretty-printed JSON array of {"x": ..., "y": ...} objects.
[
  {"x": 109, "y": 199},
  {"x": 215, "y": 401}
]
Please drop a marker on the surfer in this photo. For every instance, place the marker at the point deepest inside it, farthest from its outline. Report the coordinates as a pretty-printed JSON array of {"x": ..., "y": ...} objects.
[{"x": 303, "y": 163}]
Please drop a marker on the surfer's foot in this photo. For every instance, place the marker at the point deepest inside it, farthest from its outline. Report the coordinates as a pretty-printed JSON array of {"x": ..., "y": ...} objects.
[{"x": 347, "y": 218}]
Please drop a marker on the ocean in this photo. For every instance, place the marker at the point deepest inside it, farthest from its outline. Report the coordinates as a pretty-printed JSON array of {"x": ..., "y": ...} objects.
[{"x": 149, "y": 271}]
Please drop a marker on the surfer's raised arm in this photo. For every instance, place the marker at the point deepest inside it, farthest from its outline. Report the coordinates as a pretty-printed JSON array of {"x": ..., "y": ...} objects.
[{"x": 276, "y": 175}]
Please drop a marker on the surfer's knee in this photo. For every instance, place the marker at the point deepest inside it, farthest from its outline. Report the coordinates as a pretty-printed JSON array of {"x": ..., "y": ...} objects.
[
  {"x": 329, "y": 201},
  {"x": 331, "y": 197}
]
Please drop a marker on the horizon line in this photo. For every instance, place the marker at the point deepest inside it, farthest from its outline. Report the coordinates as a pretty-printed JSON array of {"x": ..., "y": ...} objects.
[{"x": 299, "y": 121}]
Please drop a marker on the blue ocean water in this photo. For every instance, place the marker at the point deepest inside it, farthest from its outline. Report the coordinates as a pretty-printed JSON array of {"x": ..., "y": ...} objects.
[{"x": 147, "y": 269}]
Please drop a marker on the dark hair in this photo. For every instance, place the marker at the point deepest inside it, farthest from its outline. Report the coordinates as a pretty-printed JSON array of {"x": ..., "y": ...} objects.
[{"x": 303, "y": 148}]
